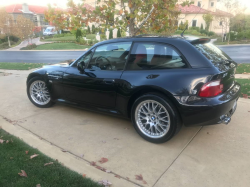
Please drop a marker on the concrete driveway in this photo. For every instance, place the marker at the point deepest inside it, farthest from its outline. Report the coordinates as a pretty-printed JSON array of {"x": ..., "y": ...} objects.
[{"x": 198, "y": 156}]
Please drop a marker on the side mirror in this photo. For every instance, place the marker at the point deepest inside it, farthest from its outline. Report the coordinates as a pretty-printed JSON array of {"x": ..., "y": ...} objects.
[{"x": 81, "y": 66}]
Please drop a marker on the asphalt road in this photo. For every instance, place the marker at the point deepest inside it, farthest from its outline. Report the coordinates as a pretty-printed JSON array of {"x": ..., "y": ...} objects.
[{"x": 240, "y": 54}]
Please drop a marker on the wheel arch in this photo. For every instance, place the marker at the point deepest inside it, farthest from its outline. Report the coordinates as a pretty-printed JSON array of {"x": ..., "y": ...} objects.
[{"x": 151, "y": 89}]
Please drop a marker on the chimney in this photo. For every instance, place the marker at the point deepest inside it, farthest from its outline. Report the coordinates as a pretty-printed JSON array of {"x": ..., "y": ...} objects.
[{"x": 25, "y": 7}]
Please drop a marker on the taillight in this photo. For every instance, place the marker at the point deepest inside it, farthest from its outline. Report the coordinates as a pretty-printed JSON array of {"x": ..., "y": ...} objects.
[{"x": 211, "y": 89}]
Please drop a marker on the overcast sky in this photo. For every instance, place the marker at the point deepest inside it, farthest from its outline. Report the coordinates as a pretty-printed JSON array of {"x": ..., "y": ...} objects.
[{"x": 62, "y": 3}]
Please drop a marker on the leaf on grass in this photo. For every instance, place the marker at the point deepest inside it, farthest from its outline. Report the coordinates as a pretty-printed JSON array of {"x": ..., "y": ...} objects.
[
  {"x": 139, "y": 177},
  {"x": 23, "y": 174},
  {"x": 83, "y": 175},
  {"x": 26, "y": 152},
  {"x": 103, "y": 160},
  {"x": 11, "y": 158},
  {"x": 106, "y": 183},
  {"x": 38, "y": 185},
  {"x": 7, "y": 141},
  {"x": 33, "y": 156},
  {"x": 11, "y": 140},
  {"x": 92, "y": 163},
  {"x": 117, "y": 176},
  {"x": 1, "y": 141},
  {"x": 48, "y": 163}
]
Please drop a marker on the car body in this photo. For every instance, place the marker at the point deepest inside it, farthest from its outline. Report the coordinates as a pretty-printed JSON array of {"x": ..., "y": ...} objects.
[
  {"x": 50, "y": 31},
  {"x": 118, "y": 84}
]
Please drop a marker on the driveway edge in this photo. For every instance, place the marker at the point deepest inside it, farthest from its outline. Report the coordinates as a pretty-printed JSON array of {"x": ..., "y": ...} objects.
[{"x": 67, "y": 159}]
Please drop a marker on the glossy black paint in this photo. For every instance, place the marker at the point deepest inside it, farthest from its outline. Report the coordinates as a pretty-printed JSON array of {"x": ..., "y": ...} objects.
[{"x": 115, "y": 91}]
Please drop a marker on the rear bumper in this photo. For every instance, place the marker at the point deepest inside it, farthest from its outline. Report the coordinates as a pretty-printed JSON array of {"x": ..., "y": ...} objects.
[{"x": 196, "y": 111}]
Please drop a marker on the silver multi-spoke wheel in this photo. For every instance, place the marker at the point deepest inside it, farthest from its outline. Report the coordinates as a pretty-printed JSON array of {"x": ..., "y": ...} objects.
[
  {"x": 39, "y": 92},
  {"x": 152, "y": 118}
]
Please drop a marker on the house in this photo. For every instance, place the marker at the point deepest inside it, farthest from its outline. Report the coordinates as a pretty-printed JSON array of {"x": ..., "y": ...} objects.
[
  {"x": 193, "y": 15},
  {"x": 33, "y": 12}
]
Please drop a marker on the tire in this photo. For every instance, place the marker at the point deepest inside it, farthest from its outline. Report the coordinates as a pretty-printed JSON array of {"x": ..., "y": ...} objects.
[
  {"x": 162, "y": 130},
  {"x": 44, "y": 103}
]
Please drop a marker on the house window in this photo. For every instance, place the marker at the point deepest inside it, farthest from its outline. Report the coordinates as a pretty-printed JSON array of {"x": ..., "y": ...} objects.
[
  {"x": 220, "y": 23},
  {"x": 199, "y": 3},
  {"x": 212, "y": 4},
  {"x": 194, "y": 23}
]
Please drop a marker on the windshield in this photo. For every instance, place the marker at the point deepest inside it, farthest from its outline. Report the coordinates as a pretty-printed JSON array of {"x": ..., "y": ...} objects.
[{"x": 47, "y": 30}]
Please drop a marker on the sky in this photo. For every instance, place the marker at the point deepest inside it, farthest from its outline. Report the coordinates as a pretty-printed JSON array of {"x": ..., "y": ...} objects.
[{"x": 62, "y": 3}]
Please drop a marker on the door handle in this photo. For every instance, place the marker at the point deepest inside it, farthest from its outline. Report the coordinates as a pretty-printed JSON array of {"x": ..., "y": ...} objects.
[{"x": 109, "y": 81}]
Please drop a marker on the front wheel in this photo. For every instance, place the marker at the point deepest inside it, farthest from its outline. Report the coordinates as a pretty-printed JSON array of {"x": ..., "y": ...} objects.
[
  {"x": 38, "y": 93},
  {"x": 155, "y": 118}
]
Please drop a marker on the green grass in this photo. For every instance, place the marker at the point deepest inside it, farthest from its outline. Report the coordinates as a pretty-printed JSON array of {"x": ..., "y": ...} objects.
[
  {"x": 14, "y": 159},
  {"x": 68, "y": 38},
  {"x": 219, "y": 42},
  {"x": 19, "y": 66},
  {"x": 245, "y": 86},
  {"x": 91, "y": 36},
  {"x": 60, "y": 46},
  {"x": 243, "y": 68}
]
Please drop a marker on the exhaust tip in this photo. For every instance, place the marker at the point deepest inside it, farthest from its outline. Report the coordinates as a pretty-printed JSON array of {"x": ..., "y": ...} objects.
[{"x": 225, "y": 119}]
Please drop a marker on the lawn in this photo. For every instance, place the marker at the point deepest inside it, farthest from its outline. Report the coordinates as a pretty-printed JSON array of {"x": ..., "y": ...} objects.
[
  {"x": 243, "y": 68},
  {"x": 69, "y": 38},
  {"x": 13, "y": 159},
  {"x": 60, "y": 46},
  {"x": 245, "y": 86},
  {"x": 219, "y": 42},
  {"x": 19, "y": 66}
]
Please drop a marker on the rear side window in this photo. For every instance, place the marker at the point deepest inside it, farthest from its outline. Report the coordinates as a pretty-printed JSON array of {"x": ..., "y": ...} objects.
[
  {"x": 212, "y": 53},
  {"x": 154, "y": 56}
]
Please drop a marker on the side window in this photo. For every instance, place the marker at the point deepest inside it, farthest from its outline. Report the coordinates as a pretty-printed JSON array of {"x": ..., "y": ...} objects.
[
  {"x": 154, "y": 56},
  {"x": 111, "y": 56},
  {"x": 85, "y": 58}
]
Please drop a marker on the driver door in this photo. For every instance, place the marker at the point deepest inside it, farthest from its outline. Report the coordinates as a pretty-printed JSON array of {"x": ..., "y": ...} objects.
[{"x": 97, "y": 84}]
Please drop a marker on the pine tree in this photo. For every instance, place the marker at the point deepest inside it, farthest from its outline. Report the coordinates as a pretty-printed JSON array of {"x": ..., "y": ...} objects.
[
  {"x": 110, "y": 34},
  {"x": 202, "y": 26},
  {"x": 119, "y": 33},
  {"x": 93, "y": 29},
  {"x": 89, "y": 30}
]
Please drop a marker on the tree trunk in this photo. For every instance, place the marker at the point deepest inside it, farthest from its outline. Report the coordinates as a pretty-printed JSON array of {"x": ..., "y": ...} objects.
[{"x": 9, "y": 41}]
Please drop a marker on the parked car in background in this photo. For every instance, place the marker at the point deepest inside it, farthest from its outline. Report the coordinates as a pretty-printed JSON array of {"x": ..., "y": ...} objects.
[
  {"x": 49, "y": 31},
  {"x": 160, "y": 83}
]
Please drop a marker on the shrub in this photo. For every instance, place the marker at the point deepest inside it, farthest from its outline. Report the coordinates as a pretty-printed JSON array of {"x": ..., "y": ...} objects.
[
  {"x": 78, "y": 35},
  {"x": 90, "y": 42},
  {"x": 89, "y": 30},
  {"x": 82, "y": 41},
  {"x": 110, "y": 34},
  {"x": 195, "y": 28},
  {"x": 93, "y": 29},
  {"x": 29, "y": 47},
  {"x": 211, "y": 33},
  {"x": 5, "y": 45},
  {"x": 203, "y": 31},
  {"x": 201, "y": 27},
  {"x": 103, "y": 36},
  {"x": 119, "y": 33},
  {"x": 91, "y": 36}
]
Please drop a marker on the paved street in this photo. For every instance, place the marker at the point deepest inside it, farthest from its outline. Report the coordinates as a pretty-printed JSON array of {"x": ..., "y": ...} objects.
[
  {"x": 240, "y": 54},
  {"x": 210, "y": 156}
]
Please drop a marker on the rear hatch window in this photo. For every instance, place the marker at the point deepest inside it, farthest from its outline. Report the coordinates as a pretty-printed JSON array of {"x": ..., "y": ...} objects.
[{"x": 221, "y": 61}]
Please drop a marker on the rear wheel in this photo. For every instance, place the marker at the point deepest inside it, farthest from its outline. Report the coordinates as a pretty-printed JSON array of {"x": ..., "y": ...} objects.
[
  {"x": 155, "y": 118},
  {"x": 38, "y": 93}
]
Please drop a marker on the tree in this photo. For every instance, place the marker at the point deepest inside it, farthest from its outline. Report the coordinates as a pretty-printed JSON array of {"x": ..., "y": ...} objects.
[
  {"x": 78, "y": 35},
  {"x": 151, "y": 16},
  {"x": 202, "y": 27},
  {"x": 208, "y": 18},
  {"x": 119, "y": 33},
  {"x": 110, "y": 33},
  {"x": 6, "y": 24},
  {"x": 89, "y": 30},
  {"x": 93, "y": 29}
]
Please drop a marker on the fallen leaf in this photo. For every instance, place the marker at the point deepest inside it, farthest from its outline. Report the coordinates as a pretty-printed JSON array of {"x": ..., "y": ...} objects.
[
  {"x": 7, "y": 141},
  {"x": 48, "y": 163},
  {"x": 83, "y": 175},
  {"x": 33, "y": 156},
  {"x": 26, "y": 152},
  {"x": 64, "y": 150},
  {"x": 23, "y": 174},
  {"x": 144, "y": 182},
  {"x": 1, "y": 141},
  {"x": 38, "y": 185},
  {"x": 11, "y": 140},
  {"x": 106, "y": 183},
  {"x": 103, "y": 160},
  {"x": 11, "y": 158},
  {"x": 139, "y": 177},
  {"x": 92, "y": 163},
  {"x": 117, "y": 176},
  {"x": 127, "y": 178}
]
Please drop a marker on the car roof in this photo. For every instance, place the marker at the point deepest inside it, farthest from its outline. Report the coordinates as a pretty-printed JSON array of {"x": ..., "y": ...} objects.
[{"x": 158, "y": 38}]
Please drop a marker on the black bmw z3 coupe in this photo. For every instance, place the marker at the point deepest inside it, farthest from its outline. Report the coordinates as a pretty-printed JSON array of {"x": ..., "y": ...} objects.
[{"x": 160, "y": 83}]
